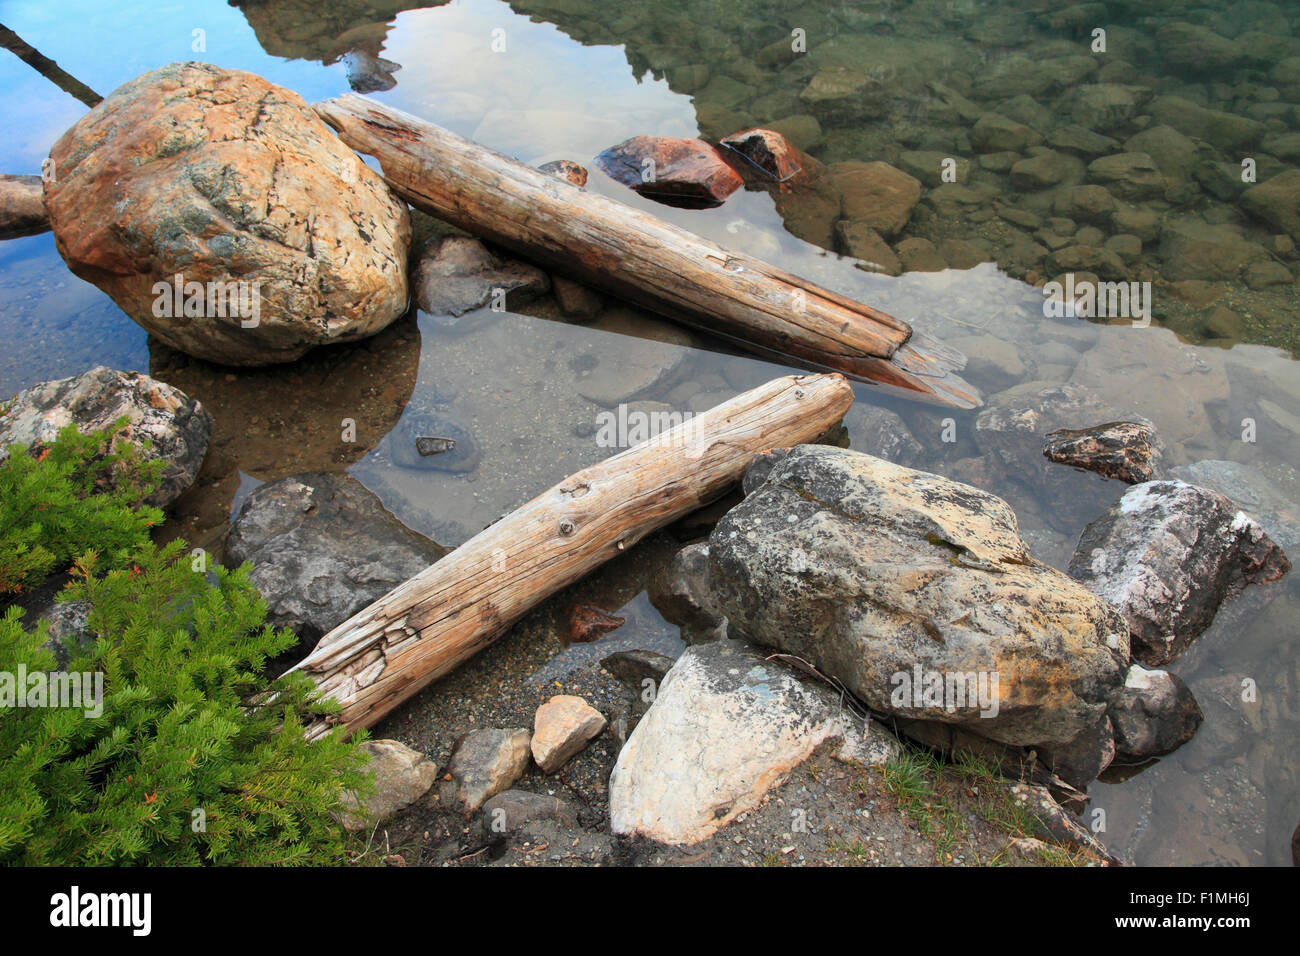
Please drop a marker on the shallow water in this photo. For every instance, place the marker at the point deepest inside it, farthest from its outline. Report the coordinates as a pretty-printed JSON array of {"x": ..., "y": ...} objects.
[{"x": 576, "y": 76}]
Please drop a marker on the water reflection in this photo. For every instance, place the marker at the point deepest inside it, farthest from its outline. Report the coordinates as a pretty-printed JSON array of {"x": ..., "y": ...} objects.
[{"x": 575, "y": 77}]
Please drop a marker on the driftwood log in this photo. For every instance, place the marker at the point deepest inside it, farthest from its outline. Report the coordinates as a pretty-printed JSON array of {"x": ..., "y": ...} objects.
[
  {"x": 422, "y": 629},
  {"x": 640, "y": 258}
]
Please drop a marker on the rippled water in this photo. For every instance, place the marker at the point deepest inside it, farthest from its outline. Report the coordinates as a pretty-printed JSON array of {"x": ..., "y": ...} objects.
[{"x": 576, "y": 76}]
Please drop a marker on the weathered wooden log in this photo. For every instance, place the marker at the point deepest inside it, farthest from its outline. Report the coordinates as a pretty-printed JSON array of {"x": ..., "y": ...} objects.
[
  {"x": 641, "y": 258},
  {"x": 422, "y": 629}
]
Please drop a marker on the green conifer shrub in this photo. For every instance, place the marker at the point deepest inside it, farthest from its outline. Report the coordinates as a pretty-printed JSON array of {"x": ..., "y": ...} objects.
[
  {"x": 79, "y": 493},
  {"x": 179, "y": 768}
]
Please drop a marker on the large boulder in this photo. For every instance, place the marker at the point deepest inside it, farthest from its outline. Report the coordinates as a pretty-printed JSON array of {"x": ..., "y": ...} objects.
[
  {"x": 223, "y": 215},
  {"x": 323, "y": 547},
  {"x": 727, "y": 726},
  {"x": 1167, "y": 555},
  {"x": 917, "y": 593},
  {"x": 176, "y": 426}
]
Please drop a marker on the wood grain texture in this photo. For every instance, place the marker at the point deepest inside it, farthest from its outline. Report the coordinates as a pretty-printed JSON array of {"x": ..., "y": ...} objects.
[
  {"x": 640, "y": 257},
  {"x": 425, "y": 627}
]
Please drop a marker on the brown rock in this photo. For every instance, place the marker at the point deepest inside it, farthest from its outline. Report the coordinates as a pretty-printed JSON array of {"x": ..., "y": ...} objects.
[
  {"x": 567, "y": 170},
  {"x": 587, "y": 624},
  {"x": 1129, "y": 451},
  {"x": 22, "y": 209},
  {"x": 876, "y": 194},
  {"x": 576, "y": 300},
  {"x": 920, "y": 255},
  {"x": 768, "y": 151},
  {"x": 562, "y": 727},
  {"x": 216, "y": 176},
  {"x": 488, "y": 761},
  {"x": 1276, "y": 202},
  {"x": 676, "y": 172},
  {"x": 862, "y": 242}
]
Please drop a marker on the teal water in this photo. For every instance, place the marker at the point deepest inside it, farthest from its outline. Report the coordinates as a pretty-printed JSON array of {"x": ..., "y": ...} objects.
[{"x": 572, "y": 77}]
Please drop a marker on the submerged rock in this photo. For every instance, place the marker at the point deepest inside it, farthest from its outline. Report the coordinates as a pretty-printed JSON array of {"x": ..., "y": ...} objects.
[
  {"x": 322, "y": 548},
  {"x": 676, "y": 172},
  {"x": 431, "y": 440},
  {"x": 561, "y": 728},
  {"x": 840, "y": 96},
  {"x": 1276, "y": 202},
  {"x": 1167, "y": 555},
  {"x": 1127, "y": 451},
  {"x": 457, "y": 274},
  {"x": 401, "y": 776},
  {"x": 636, "y": 667},
  {"x": 223, "y": 215},
  {"x": 1154, "y": 713},
  {"x": 485, "y": 762},
  {"x": 726, "y": 727},
  {"x": 917, "y": 593},
  {"x": 22, "y": 207},
  {"x": 176, "y": 426},
  {"x": 876, "y": 195}
]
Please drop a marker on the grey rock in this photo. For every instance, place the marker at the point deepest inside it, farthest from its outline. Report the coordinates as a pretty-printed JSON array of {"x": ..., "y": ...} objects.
[
  {"x": 516, "y": 810},
  {"x": 686, "y": 597},
  {"x": 880, "y": 432},
  {"x": 636, "y": 667},
  {"x": 1154, "y": 713},
  {"x": 457, "y": 274},
  {"x": 1250, "y": 488},
  {"x": 487, "y": 761},
  {"x": 1167, "y": 555},
  {"x": 401, "y": 776},
  {"x": 368, "y": 73},
  {"x": 426, "y": 439},
  {"x": 322, "y": 548},
  {"x": 176, "y": 426},
  {"x": 869, "y": 571}
]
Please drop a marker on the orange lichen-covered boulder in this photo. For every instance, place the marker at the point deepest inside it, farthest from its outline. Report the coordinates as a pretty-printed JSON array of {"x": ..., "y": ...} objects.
[{"x": 226, "y": 218}]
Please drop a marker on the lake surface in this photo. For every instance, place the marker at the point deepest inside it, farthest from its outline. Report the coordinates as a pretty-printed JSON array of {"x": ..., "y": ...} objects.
[{"x": 565, "y": 79}]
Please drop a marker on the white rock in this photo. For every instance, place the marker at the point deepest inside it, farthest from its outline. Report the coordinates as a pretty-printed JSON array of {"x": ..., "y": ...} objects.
[{"x": 726, "y": 727}]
